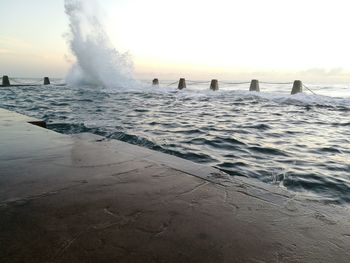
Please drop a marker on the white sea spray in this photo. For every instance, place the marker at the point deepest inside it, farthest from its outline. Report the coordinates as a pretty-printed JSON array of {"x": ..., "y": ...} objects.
[{"x": 97, "y": 63}]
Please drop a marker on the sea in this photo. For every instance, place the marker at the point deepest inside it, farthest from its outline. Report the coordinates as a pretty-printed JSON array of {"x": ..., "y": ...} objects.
[{"x": 298, "y": 142}]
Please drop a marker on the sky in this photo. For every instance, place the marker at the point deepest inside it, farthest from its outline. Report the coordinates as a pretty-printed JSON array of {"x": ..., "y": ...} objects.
[{"x": 225, "y": 39}]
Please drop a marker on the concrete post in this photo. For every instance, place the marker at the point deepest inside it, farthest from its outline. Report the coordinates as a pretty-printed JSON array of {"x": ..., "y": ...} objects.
[
  {"x": 297, "y": 87},
  {"x": 46, "y": 81},
  {"x": 214, "y": 84},
  {"x": 182, "y": 84},
  {"x": 155, "y": 82},
  {"x": 5, "y": 81},
  {"x": 254, "y": 85}
]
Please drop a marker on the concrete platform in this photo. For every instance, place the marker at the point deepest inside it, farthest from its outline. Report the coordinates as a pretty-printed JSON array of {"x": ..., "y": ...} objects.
[{"x": 87, "y": 199}]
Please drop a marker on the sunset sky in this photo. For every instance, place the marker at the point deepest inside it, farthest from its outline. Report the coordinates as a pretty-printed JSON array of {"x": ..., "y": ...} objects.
[{"x": 227, "y": 39}]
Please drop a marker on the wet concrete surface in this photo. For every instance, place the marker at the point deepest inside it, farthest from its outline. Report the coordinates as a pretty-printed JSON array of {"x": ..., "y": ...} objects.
[{"x": 86, "y": 199}]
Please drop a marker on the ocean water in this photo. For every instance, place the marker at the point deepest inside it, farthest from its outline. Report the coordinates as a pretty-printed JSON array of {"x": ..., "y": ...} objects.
[{"x": 299, "y": 142}]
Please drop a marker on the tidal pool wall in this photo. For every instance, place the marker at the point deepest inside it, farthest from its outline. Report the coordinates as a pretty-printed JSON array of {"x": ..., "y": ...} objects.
[{"x": 87, "y": 199}]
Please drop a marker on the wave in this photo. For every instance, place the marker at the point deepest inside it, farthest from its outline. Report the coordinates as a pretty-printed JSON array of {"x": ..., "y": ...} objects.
[{"x": 98, "y": 63}]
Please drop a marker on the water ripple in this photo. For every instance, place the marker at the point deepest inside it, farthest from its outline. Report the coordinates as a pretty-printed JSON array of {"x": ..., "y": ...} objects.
[{"x": 300, "y": 142}]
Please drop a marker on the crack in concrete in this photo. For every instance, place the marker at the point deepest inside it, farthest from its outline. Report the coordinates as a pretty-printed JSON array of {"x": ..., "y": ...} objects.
[
  {"x": 224, "y": 200},
  {"x": 225, "y": 196},
  {"x": 124, "y": 221},
  {"x": 134, "y": 170},
  {"x": 324, "y": 219},
  {"x": 197, "y": 176},
  {"x": 165, "y": 227},
  {"x": 257, "y": 197},
  {"x": 126, "y": 172},
  {"x": 98, "y": 165},
  {"x": 63, "y": 249},
  {"x": 27, "y": 199},
  {"x": 192, "y": 189},
  {"x": 109, "y": 212}
]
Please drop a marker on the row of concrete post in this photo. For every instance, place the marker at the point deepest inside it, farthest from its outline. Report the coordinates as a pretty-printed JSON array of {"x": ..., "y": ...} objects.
[
  {"x": 6, "y": 81},
  {"x": 214, "y": 84},
  {"x": 254, "y": 85}
]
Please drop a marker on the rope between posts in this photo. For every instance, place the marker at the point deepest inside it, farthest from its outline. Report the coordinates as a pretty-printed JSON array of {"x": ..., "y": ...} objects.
[
  {"x": 23, "y": 83},
  {"x": 309, "y": 89},
  {"x": 191, "y": 84},
  {"x": 276, "y": 83},
  {"x": 234, "y": 83},
  {"x": 172, "y": 83},
  {"x": 197, "y": 82}
]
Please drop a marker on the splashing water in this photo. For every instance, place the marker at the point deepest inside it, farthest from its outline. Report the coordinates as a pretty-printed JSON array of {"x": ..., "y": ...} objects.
[{"x": 97, "y": 62}]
